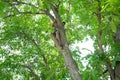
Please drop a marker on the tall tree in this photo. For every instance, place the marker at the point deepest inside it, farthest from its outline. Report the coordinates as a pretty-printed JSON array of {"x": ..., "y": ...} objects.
[{"x": 37, "y": 39}]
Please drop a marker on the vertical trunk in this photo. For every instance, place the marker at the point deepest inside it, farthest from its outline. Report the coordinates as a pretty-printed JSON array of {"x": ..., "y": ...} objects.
[
  {"x": 71, "y": 64},
  {"x": 117, "y": 45},
  {"x": 64, "y": 49},
  {"x": 117, "y": 70},
  {"x": 110, "y": 70},
  {"x": 69, "y": 61},
  {"x": 108, "y": 64}
]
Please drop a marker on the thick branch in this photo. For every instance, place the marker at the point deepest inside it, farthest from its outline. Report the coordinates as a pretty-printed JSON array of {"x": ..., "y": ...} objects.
[
  {"x": 110, "y": 70},
  {"x": 108, "y": 64},
  {"x": 55, "y": 11},
  {"x": 64, "y": 49},
  {"x": 99, "y": 25},
  {"x": 50, "y": 15}
]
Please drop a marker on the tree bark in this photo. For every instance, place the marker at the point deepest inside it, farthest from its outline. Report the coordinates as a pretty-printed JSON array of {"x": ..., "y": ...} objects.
[
  {"x": 108, "y": 64},
  {"x": 64, "y": 49},
  {"x": 117, "y": 70},
  {"x": 71, "y": 64}
]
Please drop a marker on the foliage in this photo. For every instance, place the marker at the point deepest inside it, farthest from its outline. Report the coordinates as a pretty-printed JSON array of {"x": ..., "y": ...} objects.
[{"x": 27, "y": 51}]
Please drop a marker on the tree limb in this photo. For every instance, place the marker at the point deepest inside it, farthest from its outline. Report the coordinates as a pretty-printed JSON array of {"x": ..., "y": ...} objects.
[
  {"x": 108, "y": 64},
  {"x": 32, "y": 71},
  {"x": 55, "y": 11},
  {"x": 69, "y": 61},
  {"x": 47, "y": 12},
  {"x": 37, "y": 46}
]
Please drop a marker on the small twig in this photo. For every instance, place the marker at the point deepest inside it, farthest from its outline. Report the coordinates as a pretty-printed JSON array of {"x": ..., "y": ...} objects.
[
  {"x": 11, "y": 15},
  {"x": 29, "y": 38},
  {"x": 31, "y": 70},
  {"x": 105, "y": 71}
]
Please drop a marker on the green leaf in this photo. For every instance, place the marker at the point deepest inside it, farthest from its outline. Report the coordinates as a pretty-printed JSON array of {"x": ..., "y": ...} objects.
[{"x": 113, "y": 27}]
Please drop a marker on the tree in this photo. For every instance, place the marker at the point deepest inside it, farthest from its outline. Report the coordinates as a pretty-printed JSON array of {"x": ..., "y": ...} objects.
[{"x": 30, "y": 50}]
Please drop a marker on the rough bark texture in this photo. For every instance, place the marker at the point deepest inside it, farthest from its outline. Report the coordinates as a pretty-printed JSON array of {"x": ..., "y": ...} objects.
[
  {"x": 64, "y": 49},
  {"x": 110, "y": 70},
  {"x": 117, "y": 64},
  {"x": 117, "y": 35},
  {"x": 117, "y": 70},
  {"x": 71, "y": 65}
]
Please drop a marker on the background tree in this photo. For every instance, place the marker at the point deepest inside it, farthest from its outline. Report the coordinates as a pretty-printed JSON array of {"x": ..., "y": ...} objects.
[{"x": 27, "y": 44}]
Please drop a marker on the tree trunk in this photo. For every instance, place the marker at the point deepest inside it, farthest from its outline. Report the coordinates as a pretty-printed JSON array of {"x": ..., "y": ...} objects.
[
  {"x": 69, "y": 61},
  {"x": 71, "y": 65},
  {"x": 99, "y": 18},
  {"x": 117, "y": 64},
  {"x": 62, "y": 45},
  {"x": 117, "y": 70}
]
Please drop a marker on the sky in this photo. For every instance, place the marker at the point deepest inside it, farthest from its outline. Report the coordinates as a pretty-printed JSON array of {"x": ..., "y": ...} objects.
[{"x": 85, "y": 47}]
